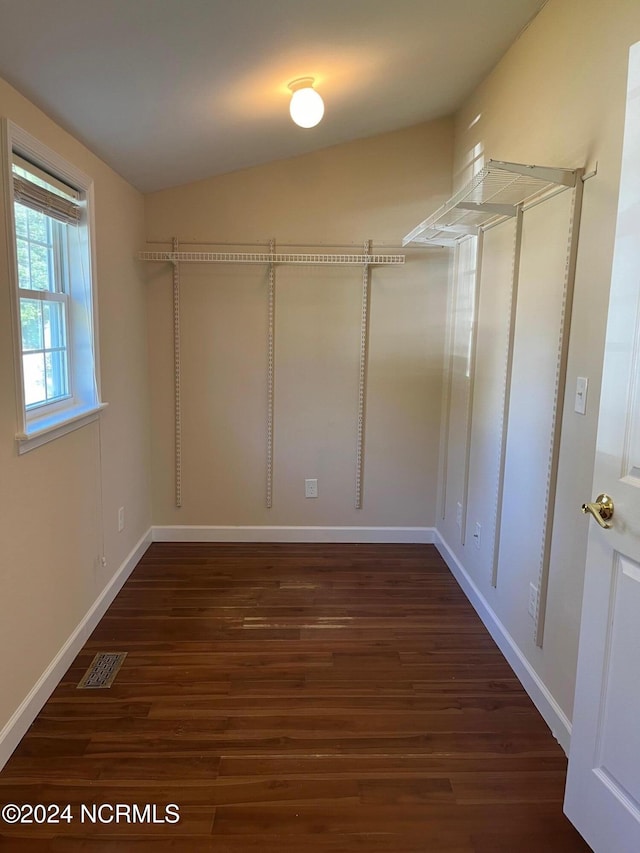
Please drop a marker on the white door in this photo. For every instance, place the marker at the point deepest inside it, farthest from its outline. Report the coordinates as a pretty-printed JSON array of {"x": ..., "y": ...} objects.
[{"x": 603, "y": 784}]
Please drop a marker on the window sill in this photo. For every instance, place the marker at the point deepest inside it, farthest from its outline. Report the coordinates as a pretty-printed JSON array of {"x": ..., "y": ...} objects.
[{"x": 55, "y": 426}]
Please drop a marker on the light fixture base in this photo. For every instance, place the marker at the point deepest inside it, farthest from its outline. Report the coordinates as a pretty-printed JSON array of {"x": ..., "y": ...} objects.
[{"x": 301, "y": 83}]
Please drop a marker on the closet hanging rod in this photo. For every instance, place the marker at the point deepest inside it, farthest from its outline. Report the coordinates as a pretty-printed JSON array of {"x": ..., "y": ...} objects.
[{"x": 306, "y": 259}]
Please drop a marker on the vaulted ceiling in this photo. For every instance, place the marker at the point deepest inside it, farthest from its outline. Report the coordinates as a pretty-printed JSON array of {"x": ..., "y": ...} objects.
[{"x": 170, "y": 91}]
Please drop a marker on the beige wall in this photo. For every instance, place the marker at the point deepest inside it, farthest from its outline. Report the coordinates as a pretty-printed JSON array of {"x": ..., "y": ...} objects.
[
  {"x": 557, "y": 98},
  {"x": 54, "y": 521},
  {"x": 371, "y": 189}
]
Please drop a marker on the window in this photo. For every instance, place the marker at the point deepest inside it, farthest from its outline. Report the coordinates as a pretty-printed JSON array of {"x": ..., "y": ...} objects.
[{"x": 55, "y": 344}]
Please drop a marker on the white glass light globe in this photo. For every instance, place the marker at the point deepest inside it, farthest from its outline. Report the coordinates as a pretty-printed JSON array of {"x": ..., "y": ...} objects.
[{"x": 306, "y": 107}]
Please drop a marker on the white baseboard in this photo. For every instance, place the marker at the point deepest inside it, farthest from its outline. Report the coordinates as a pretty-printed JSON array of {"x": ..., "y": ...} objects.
[
  {"x": 266, "y": 533},
  {"x": 16, "y": 727},
  {"x": 540, "y": 695}
]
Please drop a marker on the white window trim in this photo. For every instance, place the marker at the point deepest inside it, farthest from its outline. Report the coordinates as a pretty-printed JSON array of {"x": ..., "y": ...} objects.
[
  {"x": 32, "y": 433},
  {"x": 51, "y": 428}
]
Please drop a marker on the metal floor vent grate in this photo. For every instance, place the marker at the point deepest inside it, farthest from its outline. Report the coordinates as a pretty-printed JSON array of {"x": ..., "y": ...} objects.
[{"x": 103, "y": 670}]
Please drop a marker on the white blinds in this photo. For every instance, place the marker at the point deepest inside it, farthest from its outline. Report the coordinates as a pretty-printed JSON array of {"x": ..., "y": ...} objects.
[{"x": 35, "y": 189}]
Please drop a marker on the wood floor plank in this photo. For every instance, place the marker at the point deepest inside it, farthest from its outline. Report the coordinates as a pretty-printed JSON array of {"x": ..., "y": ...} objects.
[
  {"x": 304, "y": 820},
  {"x": 316, "y": 698},
  {"x": 384, "y": 765}
]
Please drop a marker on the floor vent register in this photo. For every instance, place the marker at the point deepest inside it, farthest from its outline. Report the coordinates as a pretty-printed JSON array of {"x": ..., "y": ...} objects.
[{"x": 103, "y": 670}]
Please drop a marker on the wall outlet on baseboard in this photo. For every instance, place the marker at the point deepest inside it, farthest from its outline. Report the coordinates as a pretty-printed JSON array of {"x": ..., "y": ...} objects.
[
  {"x": 311, "y": 488},
  {"x": 121, "y": 519},
  {"x": 533, "y": 600},
  {"x": 459, "y": 515}
]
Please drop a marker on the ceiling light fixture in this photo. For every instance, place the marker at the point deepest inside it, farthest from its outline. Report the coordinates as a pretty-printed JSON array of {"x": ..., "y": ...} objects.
[{"x": 306, "y": 107}]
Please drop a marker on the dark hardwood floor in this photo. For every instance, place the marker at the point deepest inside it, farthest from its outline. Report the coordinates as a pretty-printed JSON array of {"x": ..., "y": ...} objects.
[{"x": 294, "y": 698}]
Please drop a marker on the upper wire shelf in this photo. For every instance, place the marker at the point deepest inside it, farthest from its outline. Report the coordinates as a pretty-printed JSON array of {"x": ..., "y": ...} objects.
[
  {"x": 492, "y": 195},
  {"x": 305, "y": 259}
]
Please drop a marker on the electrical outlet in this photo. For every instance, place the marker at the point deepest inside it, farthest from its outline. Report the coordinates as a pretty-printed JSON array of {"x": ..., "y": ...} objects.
[
  {"x": 311, "y": 488},
  {"x": 533, "y": 600},
  {"x": 121, "y": 519},
  {"x": 477, "y": 535},
  {"x": 459, "y": 515}
]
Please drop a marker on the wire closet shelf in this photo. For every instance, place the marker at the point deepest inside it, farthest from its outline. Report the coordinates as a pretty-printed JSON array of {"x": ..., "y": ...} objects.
[
  {"x": 493, "y": 195},
  {"x": 304, "y": 259}
]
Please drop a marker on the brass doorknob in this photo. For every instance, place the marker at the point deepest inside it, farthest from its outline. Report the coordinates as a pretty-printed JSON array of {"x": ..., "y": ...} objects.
[{"x": 601, "y": 509}]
